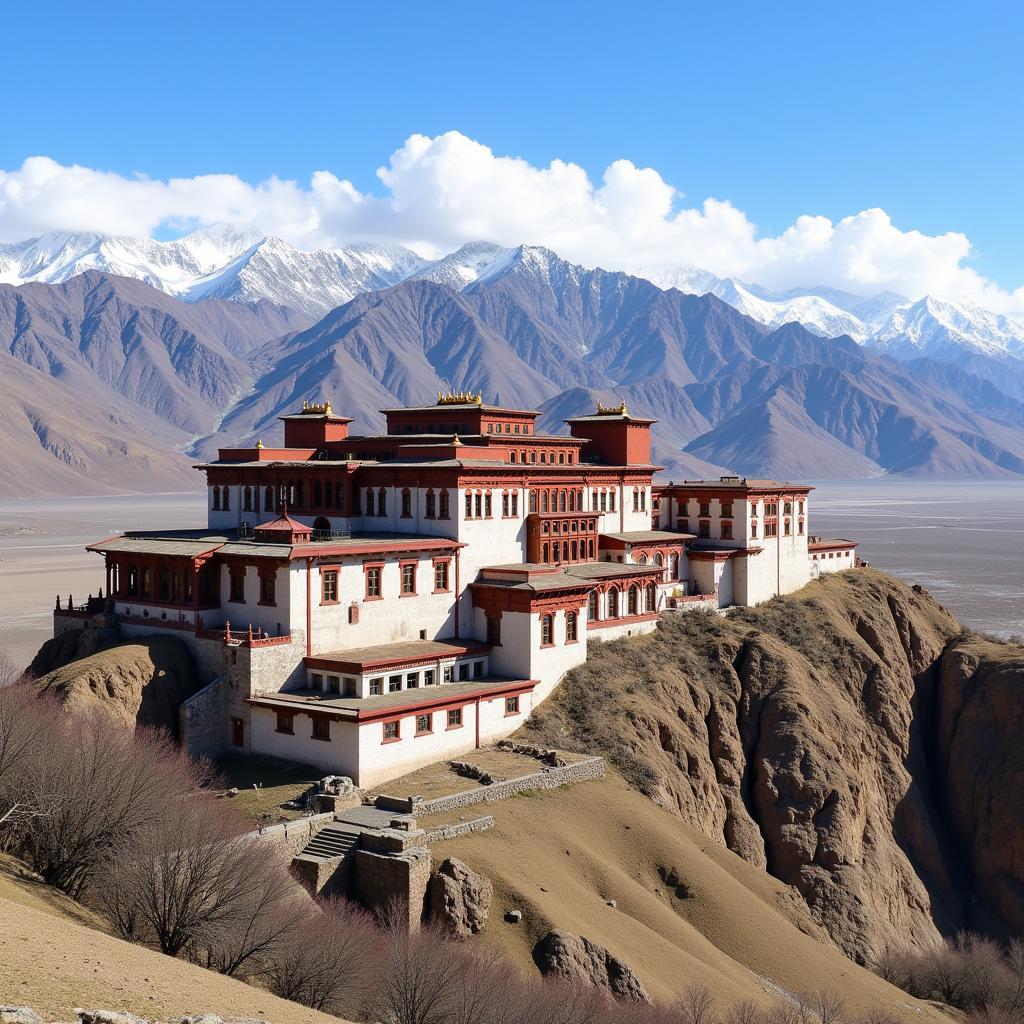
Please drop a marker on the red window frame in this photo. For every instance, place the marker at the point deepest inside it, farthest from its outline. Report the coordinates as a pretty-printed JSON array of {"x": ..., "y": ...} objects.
[
  {"x": 369, "y": 567},
  {"x": 397, "y": 723},
  {"x": 447, "y": 564},
  {"x": 411, "y": 566},
  {"x": 330, "y": 571}
]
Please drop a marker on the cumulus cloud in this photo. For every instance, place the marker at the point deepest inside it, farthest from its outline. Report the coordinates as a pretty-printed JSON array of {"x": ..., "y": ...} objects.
[{"x": 438, "y": 193}]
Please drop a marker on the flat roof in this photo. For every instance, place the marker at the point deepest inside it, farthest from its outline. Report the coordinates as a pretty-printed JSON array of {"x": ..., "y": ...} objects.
[
  {"x": 195, "y": 543},
  {"x": 736, "y": 483},
  {"x": 359, "y": 707},
  {"x": 462, "y": 407},
  {"x": 649, "y": 536},
  {"x": 401, "y": 651},
  {"x": 830, "y": 542},
  {"x": 538, "y": 577}
]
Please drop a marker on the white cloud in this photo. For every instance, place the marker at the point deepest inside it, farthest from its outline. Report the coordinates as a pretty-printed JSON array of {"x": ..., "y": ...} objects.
[{"x": 438, "y": 193}]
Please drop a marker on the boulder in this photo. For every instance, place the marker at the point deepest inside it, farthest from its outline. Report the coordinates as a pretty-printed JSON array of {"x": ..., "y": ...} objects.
[
  {"x": 460, "y": 898},
  {"x": 19, "y": 1015},
  {"x": 337, "y": 785},
  {"x": 576, "y": 958},
  {"x": 109, "y": 1017}
]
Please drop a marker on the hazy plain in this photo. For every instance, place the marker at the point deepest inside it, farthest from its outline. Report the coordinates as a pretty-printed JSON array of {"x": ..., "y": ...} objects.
[{"x": 963, "y": 541}]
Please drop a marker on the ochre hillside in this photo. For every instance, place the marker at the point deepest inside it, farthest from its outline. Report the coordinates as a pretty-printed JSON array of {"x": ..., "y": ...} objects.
[
  {"x": 850, "y": 739},
  {"x": 53, "y": 958}
]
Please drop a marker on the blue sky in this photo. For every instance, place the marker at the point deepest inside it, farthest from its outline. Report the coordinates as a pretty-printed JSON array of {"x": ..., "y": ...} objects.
[{"x": 782, "y": 109}]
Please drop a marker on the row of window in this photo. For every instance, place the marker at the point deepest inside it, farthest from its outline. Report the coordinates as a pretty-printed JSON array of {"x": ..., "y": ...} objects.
[
  {"x": 268, "y": 587},
  {"x": 392, "y": 730},
  {"x": 378, "y": 685},
  {"x": 509, "y": 428},
  {"x": 373, "y": 580},
  {"x": 568, "y": 551},
  {"x": 771, "y": 528},
  {"x": 636, "y": 602},
  {"x": 545, "y": 457},
  {"x": 326, "y": 495}
]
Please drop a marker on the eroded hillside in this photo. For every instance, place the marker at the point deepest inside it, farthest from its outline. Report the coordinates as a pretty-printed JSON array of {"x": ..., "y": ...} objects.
[{"x": 850, "y": 739}]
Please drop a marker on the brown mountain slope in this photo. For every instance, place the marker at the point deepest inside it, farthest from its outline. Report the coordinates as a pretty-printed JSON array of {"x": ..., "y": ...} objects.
[
  {"x": 847, "y": 738},
  {"x": 52, "y": 962},
  {"x": 686, "y": 911}
]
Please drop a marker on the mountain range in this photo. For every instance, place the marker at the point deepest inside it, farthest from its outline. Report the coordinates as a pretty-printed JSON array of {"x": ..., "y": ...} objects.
[{"x": 124, "y": 360}]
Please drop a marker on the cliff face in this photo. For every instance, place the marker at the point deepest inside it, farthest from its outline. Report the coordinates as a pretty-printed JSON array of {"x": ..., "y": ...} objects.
[
  {"x": 848, "y": 739},
  {"x": 141, "y": 683}
]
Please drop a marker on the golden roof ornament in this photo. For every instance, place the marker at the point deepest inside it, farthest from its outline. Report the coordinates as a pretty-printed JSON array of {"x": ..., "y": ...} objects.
[
  {"x": 259, "y": 443},
  {"x": 323, "y": 409},
  {"x": 456, "y": 443},
  {"x": 460, "y": 398},
  {"x": 612, "y": 410}
]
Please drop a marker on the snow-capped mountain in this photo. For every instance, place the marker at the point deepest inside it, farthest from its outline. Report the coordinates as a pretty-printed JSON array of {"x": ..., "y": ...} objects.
[
  {"x": 462, "y": 267},
  {"x": 314, "y": 282},
  {"x": 173, "y": 267},
  {"x": 228, "y": 263}
]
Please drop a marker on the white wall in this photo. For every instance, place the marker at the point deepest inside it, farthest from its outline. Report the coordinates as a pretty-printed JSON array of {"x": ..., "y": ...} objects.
[{"x": 337, "y": 756}]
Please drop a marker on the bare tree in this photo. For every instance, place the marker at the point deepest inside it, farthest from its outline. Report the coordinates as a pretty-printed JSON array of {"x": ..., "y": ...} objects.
[
  {"x": 271, "y": 911},
  {"x": 825, "y": 1005},
  {"x": 186, "y": 880},
  {"x": 986, "y": 977},
  {"x": 329, "y": 964},
  {"x": 420, "y": 973},
  {"x": 100, "y": 784},
  {"x": 745, "y": 1012},
  {"x": 1015, "y": 968},
  {"x": 696, "y": 1005},
  {"x": 10, "y": 672}
]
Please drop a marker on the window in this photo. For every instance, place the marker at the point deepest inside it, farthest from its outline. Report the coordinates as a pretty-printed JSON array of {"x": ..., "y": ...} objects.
[
  {"x": 444, "y": 505},
  {"x": 464, "y": 669},
  {"x": 705, "y": 508},
  {"x": 412, "y": 680},
  {"x": 394, "y": 684},
  {"x": 424, "y": 724},
  {"x": 613, "y": 603},
  {"x": 268, "y": 499},
  {"x": 408, "y": 578},
  {"x": 704, "y": 529},
  {"x": 478, "y": 670},
  {"x": 727, "y": 509},
  {"x": 487, "y": 505},
  {"x": 547, "y": 631},
  {"x": 216, "y": 499},
  {"x": 329, "y": 587},
  {"x": 511, "y": 705},
  {"x": 318, "y": 494},
  {"x": 406, "y": 503},
  {"x": 478, "y": 508},
  {"x": 515, "y": 503},
  {"x": 592, "y": 606},
  {"x": 431, "y": 510},
  {"x": 316, "y": 681},
  {"x": 636, "y": 499},
  {"x": 494, "y": 630},
  {"x": 771, "y": 529},
  {"x": 376, "y": 686},
  {"x": 652, "y": 598},
  {"x": 505, "y": 504},
  {"x": 800, "y": 526},
  {"x": 531, "y": 503},
  {"x": 753, "y": 530},
  {"x": 391, "y": 732},
  {"x": 441, "y": 576},
  {"x": 226, "y": 499},
  {"x": 322, "y": 729},
  {"x": 369, "y": 502},
  {"x": 267, "y": 589},
  {"x": 247, "y": 499},
  {"x": 787, "y": 528},
  {"x": 285, "y": 722},
  {"x": 237, "y": 585},
  {"x": 673, "y": 567},
  {"x": 570, "y": 627},
  {"x": 382, "y": 502},
  {"x": 455, "y": 718},
  {"x": 469, "y": 504},
  {"x": 634, "y": 600},
  {"x": 726, "y": 531},
  {"x": 373, "y": 582},
  {"x": 447, "y": 673}
]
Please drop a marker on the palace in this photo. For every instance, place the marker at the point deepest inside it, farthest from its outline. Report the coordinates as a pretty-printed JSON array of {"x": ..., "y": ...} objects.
[{"x": 370, "y": 604}]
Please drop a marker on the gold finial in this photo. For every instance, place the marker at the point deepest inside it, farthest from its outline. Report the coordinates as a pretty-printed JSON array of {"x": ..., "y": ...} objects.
[
  {"x": 612, "y": 410},
  {"x": 460, "y": 398},
  {"x": 259, "y": 443},
  {"x": 456, "y": 443},
  {"x": 323, "y": 409}
]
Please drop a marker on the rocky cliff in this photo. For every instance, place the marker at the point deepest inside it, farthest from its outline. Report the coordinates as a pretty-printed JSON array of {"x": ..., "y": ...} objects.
[
  {"x": 851, "y": 739},
  {"x": 141, "y": 683}
]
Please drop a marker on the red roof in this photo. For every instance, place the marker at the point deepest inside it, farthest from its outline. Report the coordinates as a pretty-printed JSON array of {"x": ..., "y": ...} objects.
[{"x": 285, "y": 524}]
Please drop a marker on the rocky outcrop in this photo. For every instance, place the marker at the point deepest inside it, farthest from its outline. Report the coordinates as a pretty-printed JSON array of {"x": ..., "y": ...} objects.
[
  {"x": 575, "y": 958},
  {"x": 142, "y": 683},
  {"x": 460, "y": 898},
  {"x": 849, "y": 739},
  {"x": 979, "y": 757}
]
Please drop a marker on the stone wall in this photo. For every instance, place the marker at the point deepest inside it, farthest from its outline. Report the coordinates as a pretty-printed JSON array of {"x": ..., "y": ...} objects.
[
  {"x": 547, "y": 778},
  {"x": 328, "y": 876},
  {"x": 292, "y": 837},
  {"x": 379, "y": 879},
  {"x": 460, "y": 828},
  {"x": 203, "y": 723}
]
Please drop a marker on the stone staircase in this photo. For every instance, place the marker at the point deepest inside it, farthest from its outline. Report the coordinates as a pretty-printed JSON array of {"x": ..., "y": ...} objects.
[{"x": 335, "y": 840}]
